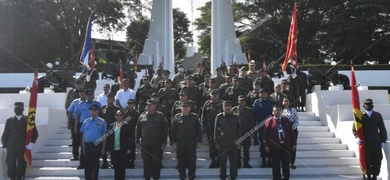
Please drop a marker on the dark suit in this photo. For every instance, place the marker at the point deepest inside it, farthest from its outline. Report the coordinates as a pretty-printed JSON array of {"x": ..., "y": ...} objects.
[
  {"x": 279, "y": 146},
  {"x": 278, "y": 98},
  {"x": 118, "y": 159}
]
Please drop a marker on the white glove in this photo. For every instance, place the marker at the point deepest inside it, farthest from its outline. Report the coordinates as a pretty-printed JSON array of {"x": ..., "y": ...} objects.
[
  {"x": 383, "y": 145},
  {"x": 5, "y": 150},
  {"x": 30, "y": 146},
  {"x": 358, "y": 141}
]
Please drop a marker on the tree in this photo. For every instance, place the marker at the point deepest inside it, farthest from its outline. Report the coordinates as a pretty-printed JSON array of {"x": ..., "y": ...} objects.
[{"x": 203, "y": 25}]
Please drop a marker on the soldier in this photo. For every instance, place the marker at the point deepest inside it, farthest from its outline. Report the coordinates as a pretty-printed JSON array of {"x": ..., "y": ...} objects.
[
  {"x": 205, "y": 84},
  {"x": 254, "y": 94},
  {"x": 176, "y": 108},
  {"x": 266, "y": 81},
  {"x": 168, "y": 96},
  {"x": 247, "y": 123},
  {"x": 231, "y": 72},
  {"x": 219, "y": 77},
  {"x": 288, "y": 93},
  {"x": 227, "y": 130},
  {"x": 108, "y": 114},
  {"x": 262, "y": 109},
  {"x": 152, "y": 128},
  {"x": 144, "y": 93},
  {"x": 165, "y": 76},
  {"x": 186, "y": 138},
  {"x": 157, "y": 78},
  {"x": 177, "y": 78},
  {"x": 207, "y": 92},
  {"x": 277, "y": 96},
  {"x": 193, "y": 93},
  {"x": 244, "y": 81},
  {"x": 131, "y": 116},
  {"x": 199, "y": 75},
  {"x": 71, "y": 120},
  {"x": 303, "y": 85},
  {"x": 14, "y": 142},
  {"x": 225, "y": 86},
  {"x": 234, "y": 91},
  {"x": 90, "y": 77},
  {"x": 210, "y": 110},
  {"x": 159, "y": 108},
  {"x": 252, "y": 74},
  {"x": 70, "y": 97},
  {"x": 375, "y": 137}
]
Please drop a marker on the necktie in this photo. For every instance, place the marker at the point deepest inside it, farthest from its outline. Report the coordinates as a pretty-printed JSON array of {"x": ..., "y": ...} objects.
[{"x": 280, "y": 130}]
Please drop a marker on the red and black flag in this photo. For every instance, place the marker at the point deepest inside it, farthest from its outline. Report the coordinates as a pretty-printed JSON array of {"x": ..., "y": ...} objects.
[{"x": 32, "y": 106}]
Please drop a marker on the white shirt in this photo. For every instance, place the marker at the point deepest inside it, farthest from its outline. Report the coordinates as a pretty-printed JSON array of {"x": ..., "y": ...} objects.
[
  {"x": 123, "y": 96},
  {"x": 102, "y": 98}
]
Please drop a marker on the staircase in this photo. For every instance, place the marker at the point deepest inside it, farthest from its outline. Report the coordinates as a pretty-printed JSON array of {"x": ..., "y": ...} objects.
[{"x": 320, "y": 155}]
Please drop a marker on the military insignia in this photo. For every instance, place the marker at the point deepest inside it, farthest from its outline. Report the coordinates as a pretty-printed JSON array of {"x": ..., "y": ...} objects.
[
  {"x": 104, "y": 111},
  {"x": 98, "y": 123}
]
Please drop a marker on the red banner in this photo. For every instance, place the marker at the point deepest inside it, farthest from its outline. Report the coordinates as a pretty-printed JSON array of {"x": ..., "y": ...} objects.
[
  {"x": 31, "y": 118},
  {"x": 357, "y": 116},
  {"x": 291, "y": 52}
]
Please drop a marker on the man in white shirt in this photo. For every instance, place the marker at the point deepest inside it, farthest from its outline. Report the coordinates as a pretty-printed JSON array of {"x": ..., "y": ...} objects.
[
  {"x": 102, "y": 98},
  {"x": 123, "y": 95}
]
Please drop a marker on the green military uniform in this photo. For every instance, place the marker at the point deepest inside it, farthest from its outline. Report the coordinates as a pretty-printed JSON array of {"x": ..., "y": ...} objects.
[
  {"x": 251, "y": 97},
  {"x": 245, "y": 83},
  {"x": 222, "y": 90},
  {"x": 131, "y": 117},
  {"x": 210, "y": 111},
  {"x": 142, "y": 95},
  {"x": 194, "y": 95},
  {"x": 177, "y": 78},
  {"x": 186, "y": 132},
  {"x": 266, "y": 83},
  {"x": 233, "y": 93}
]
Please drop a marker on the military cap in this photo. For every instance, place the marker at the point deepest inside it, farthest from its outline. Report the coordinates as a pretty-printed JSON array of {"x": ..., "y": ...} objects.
[
  {"x": 166, "y": 72},
  {"x": 368, "y": 101},
  {"x": 241, "y": 97},
  {"x": 186, "y": 103},
  {"x": 218, "y": 69},
  {"x": 252, "y": 63},
  {"x": 94, "y": 106},
  {"x": 207, "y": 74},
  {"x": 228, "y": 77},
  {"x": 262, "y": 90},
  {"x": 145, "y": 77},
  {"x": 190, "y": 77},
  {"x": 213, "y": 80},
  {"x": 155, "y": 95},
  {"x": 214, "y": 91},
  {"x": 244, "y": 68},
  {"x": 151, "y": 101},
  {"x": 227, "y": 103},
  {"x": 168, "y": 81},
  {"x": 284, "y": 81},
  {"x": 19, "y": 104},
  {"x": 89, "y": 92},
  {"x": 132, "y": 101},
  {"x": 235, "y": 78},
  {"x": 110, "y": 95},
  {"x": 183, "y": 93}
]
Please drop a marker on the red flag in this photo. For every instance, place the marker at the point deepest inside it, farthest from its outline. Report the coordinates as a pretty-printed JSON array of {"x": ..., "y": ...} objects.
[
  {"x": 357, "y": 116},
  {"x": 291, "y": 52},
  {"x": 120, "y": 75},
  {"x": 249, "y": 56},
  {"x": 31, "y": 118},
  {"x": 264, "y": 65},
  {"x": 93, "y": 63},
  {"x": 237, "y": 69}
]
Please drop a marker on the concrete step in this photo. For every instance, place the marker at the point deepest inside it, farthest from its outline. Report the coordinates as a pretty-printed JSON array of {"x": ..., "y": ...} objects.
[
  {"x": 308, "y": 118},
  {"x": 314, "y": 134},
  {"x": 310, "y": 123},
  {"x": 306, "y": 114},
  {"x": 313, "y": 128}
]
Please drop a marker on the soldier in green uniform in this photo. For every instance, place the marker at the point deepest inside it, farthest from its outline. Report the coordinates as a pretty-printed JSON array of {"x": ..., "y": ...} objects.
[
  {"x": 252, "y": 74},
  {"x": 207, "y": 92},
  {"x": 266, "y": 81},
  {"x": 247, "y": 123},
  {"x": 254, "y": 94},
  {"x": 234, "y": 91},
  {"x": 70, "y": 97},
  {"x": 193, "y": 93},
  {"x": 186, "y": 138},
  {"x": 168, "y": 96},
  {"x": 178, "y": 77},
  {"x": 210, "y": 110},
  {"x": 165, "y": 76},
  {"x": 108, "y": 114},
  {"x": 219, "y": 77},
  {"x": 144, "y": 93},
  {"x": 205, "y": 85},
  {"x": 131, "y": 116},
  {"x": 244, "y": 81},
  {"x": 227, "y": 130},
  {"x": 225, "y": 86},
  {"x": 151, "y": 137},
  {"x": 199, "y": 75}
]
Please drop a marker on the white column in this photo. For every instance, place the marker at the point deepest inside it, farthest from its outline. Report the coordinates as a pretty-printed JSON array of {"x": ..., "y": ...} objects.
[
  {"x": 159, "y": 43},
  {"x": 224, "y": 44}
]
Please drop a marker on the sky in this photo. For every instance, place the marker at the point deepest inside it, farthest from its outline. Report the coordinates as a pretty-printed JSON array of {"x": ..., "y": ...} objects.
[{"x": 184, "y": 5}]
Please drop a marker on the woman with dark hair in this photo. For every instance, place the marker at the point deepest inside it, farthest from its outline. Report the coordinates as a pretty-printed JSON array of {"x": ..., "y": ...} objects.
[
  {"x": 119, "y": 145},
  {"x": 292, "y": 114}
]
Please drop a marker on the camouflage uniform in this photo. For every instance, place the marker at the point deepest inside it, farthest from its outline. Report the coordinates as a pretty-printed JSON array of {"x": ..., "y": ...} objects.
[
  {"x": 246, "y": 84},
  {"x": 142, "y": 95},
  {"x": 194, "y": 95},
  {"x": 233, "y": 93}
]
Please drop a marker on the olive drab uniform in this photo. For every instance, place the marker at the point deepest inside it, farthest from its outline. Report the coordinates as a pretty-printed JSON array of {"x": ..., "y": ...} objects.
[
  {"x": 245, "y": 83},
  {"x": 220, "y": 80},
  {"x": 251, "y": 97},
  {"x": 252, "y": 75},
  {"x": 222, "y": 90},
  {"x": 227, "y": 130},
  {"x": 131, "y": 117},
  {"x": 199, "y": 78},
  {"x": 152, "y": 129},
  {"x": 233, "y": 93},
  {"x": 247, "y": 123},
  {"x": 187, "y": 133},
  {"x": 266, "y": 83},
  {"x": 177, "y": 78},
  {"x": 209, "y": 112},
  {"x": 194, "y": 95},
  {"x": 142, "y": 95}
]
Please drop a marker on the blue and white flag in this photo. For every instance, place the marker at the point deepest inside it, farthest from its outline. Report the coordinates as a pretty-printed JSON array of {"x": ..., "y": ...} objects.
[{"x": 85, "y": 54}]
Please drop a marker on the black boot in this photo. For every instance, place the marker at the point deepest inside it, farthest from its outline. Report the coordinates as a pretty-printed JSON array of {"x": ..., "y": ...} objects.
[
  {"x": 239, "y": 165},
  {"x": 247, "y": 165},
  {"x": 263, "y": 163},
  {"x": 213, "y": 164},
  {"x": 269, "y": 163}
]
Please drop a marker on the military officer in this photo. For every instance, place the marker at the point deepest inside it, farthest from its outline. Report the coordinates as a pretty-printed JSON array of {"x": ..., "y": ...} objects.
[
  {"x": 254, "y": 94},
  {"x": 234, "y": 91},
  {"x": 178, "y": 77},
  {"x": 131, "y": 116},
  {"x": 227, "y": 131},
  {"x": 144, "y": 93},
  {"x": 288, "y": 93},
  {"x": 152, "y": 129},
  {"x": 266, "y": 81},
  {"x": 210, "y": 110},
  {"x": 186, "y": 138},
  {"x": 199, "y": 75},
  {"x": 252, "y": 74},
  {"x": 165, "y": 76},
  {"x": 205, "y": 84},
  {"x": 193, "y": 93},
  {"x": 244, "y": 81}
]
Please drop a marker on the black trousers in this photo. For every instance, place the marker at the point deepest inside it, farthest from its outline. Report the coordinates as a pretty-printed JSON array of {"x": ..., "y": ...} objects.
[
  {"x": 246, "y": 144},
  {"x": 119, "y": 164},
  {"x": 151, "y": 158},
  {"x": 92, "y": 154},
  {"x": 280, "y": 155},
  {"x": 232, "y": 152},
  {"x": 131, "y": 156},
  {"x": 373, "y": 157},
  {"x": 16, "y": 165},
  {"x": 186, "y": 157},
  {"x": 77, "y": 139},
  {"x": 294, "y": 152}
]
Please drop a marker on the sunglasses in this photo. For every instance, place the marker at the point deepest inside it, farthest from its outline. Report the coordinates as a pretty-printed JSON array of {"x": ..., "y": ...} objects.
[{"x": 118, "y": 115}]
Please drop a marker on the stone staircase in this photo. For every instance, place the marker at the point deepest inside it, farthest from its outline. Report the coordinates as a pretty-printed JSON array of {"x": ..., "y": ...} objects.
[{"x": 320, "y": 155}]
